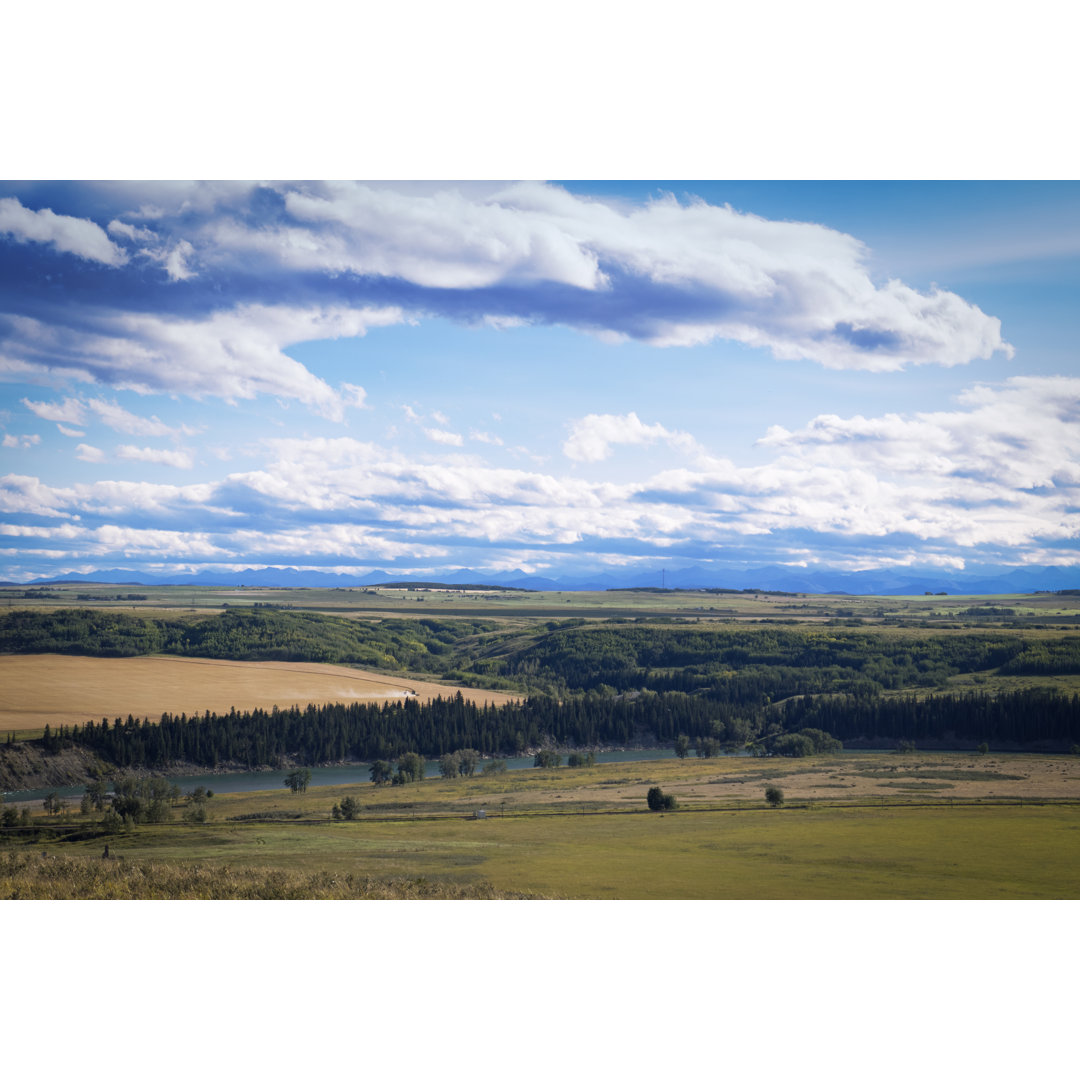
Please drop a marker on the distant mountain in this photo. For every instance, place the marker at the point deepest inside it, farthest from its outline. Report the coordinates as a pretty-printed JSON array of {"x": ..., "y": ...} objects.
[{"x": 913, "y": 582}]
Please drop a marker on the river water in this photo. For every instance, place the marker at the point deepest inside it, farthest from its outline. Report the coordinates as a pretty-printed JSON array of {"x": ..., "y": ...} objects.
[{"x": 326, "y": 776}]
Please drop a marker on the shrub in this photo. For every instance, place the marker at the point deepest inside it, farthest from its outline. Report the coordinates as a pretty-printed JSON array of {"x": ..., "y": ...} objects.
[
  {"x": 774, "y": 796},
  {"x": 657, "y": 800}
]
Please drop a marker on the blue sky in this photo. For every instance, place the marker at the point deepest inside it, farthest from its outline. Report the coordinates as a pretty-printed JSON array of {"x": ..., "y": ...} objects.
[{"x": 555, "y": 376}]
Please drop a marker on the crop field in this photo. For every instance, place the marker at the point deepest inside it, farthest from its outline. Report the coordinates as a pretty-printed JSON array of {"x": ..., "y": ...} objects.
[{"x": 40, "y": 689}]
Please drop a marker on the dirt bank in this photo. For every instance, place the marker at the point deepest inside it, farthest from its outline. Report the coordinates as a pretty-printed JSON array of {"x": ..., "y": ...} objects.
[{"x": 26, "y": 765}]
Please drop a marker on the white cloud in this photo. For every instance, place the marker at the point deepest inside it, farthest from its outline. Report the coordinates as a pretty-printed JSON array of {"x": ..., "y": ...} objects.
[
  {"x": 667, "y": 272},
  {"x": 132, "y": 232},
  {"x": 440, "y": 418},
  {"x": 163, "y": 543},
  {"x": 485, "y": 437},
  {"x": 119, "y": 419},
  {"x": 440, "y": 435},
  {"x": 89, "y": 453},
  {"x": 229, "y": 354},
  {"x": 354, "y": 397},
  {"x": 592, "y": 437},
  {"x": 69, "y": 411},
  {"x": 176, "y": 261},
  {"x": 113, "y": 415},
  {"x": 20, "y": 442},
  {"x": 71, "y": 433},
  {"x": 178, "y": 459},
  {"x": 998, "y": 472},
  {"x": 78, "y": 236}
]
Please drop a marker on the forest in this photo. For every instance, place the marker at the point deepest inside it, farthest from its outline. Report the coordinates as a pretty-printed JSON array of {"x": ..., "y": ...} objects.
[{"x": 608, "y": 683}]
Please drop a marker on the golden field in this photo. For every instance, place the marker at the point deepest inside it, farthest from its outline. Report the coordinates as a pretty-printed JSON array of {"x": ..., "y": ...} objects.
[{"x": 41, "y": 689}]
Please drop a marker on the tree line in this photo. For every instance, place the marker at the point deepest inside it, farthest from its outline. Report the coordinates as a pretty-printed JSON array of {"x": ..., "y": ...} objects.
[{"x": 368, "y": 731}]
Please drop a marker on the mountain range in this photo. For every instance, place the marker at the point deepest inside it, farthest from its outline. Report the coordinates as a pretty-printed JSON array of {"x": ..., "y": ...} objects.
[{"x": 990, "y": 580}]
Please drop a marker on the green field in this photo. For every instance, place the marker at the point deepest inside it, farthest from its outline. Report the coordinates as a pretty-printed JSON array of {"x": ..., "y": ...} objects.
[
  {"x": 933, "y": 852},
  {"x": 563, "y": 833}
]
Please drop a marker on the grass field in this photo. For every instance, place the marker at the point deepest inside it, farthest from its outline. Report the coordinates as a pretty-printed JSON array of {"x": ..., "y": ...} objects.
[
  {"x": 985, "y": 852},
  {"x": 865, "y": 827}
]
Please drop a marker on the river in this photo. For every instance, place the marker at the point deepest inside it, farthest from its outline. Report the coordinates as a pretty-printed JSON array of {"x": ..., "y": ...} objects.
[{"x": 323, "y": 776}]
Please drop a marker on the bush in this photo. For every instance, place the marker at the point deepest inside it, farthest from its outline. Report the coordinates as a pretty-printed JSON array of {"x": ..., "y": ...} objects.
[
  {"x": 774, "y": 796},
  {"x": 657, "y": 800}
]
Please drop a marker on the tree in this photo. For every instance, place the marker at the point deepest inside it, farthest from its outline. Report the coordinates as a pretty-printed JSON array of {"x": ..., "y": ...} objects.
[
  {"x": 467, "y": 760},
  {"x": 658, "y": 801},
  {"x": 97, "y": 791},
  {"x": 10, "y": 817},
  {"x": 682, "y": 746},
  {"x": 297, "y": 781},
  {"x": 410, "y": 768},
  {"x": 347, "y": 810},
  {"x": 52, "y": 803},
  {"x": 984, "y": 748},
  {"x": 381, "y": 772},
  {"x": 495, "y": 765},
  {"x": 448, "y": 766},
  {"x": 547, "y": 759},
  {"x": 774, "y": 796},
  {"x": 708, "y": 748}
]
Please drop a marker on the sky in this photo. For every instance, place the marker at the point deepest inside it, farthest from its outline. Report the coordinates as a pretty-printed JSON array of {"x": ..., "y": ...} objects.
[{"x": 559, "y": 377}]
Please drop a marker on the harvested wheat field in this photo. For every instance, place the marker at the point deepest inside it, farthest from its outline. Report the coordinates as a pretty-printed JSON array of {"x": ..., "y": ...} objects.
[{"x": 48, "y": 689}]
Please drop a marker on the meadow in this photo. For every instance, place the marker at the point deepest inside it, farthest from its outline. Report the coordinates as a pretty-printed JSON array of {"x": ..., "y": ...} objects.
[{"x": 873, "y": 826}]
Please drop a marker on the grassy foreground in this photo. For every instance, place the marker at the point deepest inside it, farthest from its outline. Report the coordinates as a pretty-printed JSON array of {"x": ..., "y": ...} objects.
[
  {"x": 910, "y": 852},
  {"x": 854, "y": 826},
  {"x": 33, "y": 875}
]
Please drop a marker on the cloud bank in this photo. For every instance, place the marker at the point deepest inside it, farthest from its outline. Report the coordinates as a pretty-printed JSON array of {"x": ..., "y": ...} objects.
[
  {"x": 997, "y": 477},
  {"x": 200, "y": 289}
]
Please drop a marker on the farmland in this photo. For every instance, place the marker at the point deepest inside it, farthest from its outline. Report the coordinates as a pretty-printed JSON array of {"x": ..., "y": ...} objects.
[{"x": 40, "y": 689}]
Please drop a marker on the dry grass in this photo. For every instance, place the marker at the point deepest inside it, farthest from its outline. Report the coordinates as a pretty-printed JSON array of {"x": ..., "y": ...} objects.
[
  {"x": 33, "y": 875},
  {"x": 42, "y": 689}
]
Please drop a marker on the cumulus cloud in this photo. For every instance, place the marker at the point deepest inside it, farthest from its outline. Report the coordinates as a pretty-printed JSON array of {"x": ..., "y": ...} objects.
[
  {"x": 93, "y": 454},
  {"x": 441, "y": 435},
  {"x": 76, "y": 236},
  {"x": 669, "y": 272},
  {"x": 592, "y": 437},
  {"x": 178, "y": 459},
  {"x": 71, "y": 433},
  {"x": 21, "y": 442},
  {"x": 997, "y": 474}
]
